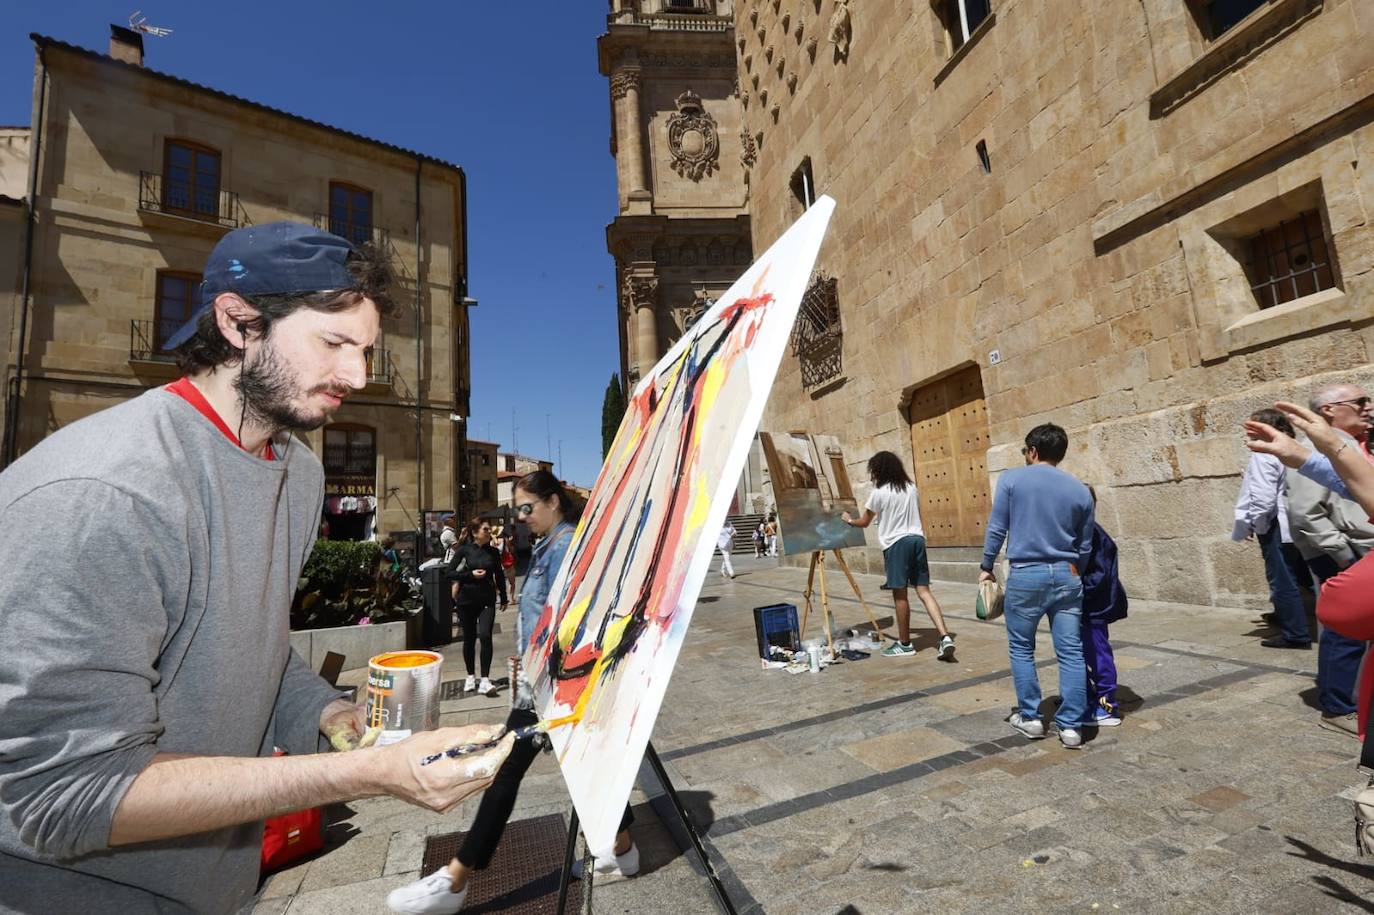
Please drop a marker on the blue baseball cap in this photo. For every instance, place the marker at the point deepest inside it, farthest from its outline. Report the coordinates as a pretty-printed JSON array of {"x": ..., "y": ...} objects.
[{"x": 276, "y": 258}]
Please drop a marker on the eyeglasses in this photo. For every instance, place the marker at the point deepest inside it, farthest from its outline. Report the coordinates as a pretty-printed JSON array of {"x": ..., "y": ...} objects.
[
  {"x": 525, "y": 508},
  {"x": 1359, "y": 403}
]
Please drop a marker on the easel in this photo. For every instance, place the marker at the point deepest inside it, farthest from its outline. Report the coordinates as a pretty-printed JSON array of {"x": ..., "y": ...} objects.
[
  {"x": 721, "y": 896},
  {"x": 828, "y": 619}
]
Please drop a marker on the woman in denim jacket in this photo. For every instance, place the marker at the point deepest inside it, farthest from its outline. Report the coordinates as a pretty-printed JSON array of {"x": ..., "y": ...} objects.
[{"x": 543, "y": 503}]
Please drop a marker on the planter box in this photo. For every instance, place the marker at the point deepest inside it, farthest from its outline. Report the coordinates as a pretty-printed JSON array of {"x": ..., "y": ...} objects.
[{"x": 356, "y": 643}]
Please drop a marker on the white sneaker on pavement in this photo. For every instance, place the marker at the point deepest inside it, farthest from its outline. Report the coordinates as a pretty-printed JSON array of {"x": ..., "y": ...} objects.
[
  {"x": 469, "y": 684},
  {"x": 486, "y": 687},
  {"x": 626, "y": 865},
  {"x": 432, "y": 895}
]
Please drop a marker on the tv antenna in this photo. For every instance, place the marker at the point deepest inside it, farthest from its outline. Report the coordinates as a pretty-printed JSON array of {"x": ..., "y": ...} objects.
[{"x": 139, "y": 23}]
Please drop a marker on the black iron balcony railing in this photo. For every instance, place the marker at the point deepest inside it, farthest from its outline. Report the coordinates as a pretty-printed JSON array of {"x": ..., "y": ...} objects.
[
  {"x": 179, "y": 198},
  {"x": 146, "y": 339},
  {"x": 379, "y": 370},
  {"x": 357, "y": 233}
]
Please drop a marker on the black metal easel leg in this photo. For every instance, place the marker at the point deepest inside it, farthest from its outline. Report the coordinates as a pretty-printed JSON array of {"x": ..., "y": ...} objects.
[
  {"x": 659, "y": 772},
  {"x": 568, "y": 861}
]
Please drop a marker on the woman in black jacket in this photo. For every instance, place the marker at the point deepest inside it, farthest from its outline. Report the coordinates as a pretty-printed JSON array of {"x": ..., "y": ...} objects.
[{"x": 476, "y": 568}]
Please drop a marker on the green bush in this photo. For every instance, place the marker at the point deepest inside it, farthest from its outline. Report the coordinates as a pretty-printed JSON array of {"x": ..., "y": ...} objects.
[{"x": 344, "y": 581}]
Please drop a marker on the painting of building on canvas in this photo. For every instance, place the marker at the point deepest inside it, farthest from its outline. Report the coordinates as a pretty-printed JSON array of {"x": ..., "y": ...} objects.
[
  {"x": 811, "y": 488},
  {"x": 603, "y": 649}
]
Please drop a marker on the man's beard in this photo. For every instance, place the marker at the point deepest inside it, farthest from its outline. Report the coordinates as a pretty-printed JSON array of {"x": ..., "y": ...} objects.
[{"x": 268, "y": 393}]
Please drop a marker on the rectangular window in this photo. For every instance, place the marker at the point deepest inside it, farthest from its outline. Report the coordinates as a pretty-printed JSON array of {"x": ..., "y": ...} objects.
[
  {"x": 486, "y": 490},
  {"x": 350, "y": 451},
  {"x": 1290, "y": 260},
  {"x": 1217, "y": 17},
  {"x": 190, "y": 180},
  {"x": 962, "y": 18},
  {"x": 803, "y": 185},
  {"x": 178, "y": 298},
  {"x": 350, "y": 212}
]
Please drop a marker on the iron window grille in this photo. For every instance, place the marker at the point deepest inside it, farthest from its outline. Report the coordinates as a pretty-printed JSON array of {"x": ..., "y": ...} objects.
[
  {"x": 817, "y": 339},
  {"x": 1290, "y": 260}
]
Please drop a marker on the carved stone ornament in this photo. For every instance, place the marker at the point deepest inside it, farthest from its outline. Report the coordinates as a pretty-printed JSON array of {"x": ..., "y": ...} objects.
[
  {"x": 801, "y": 27},
  {"x": 622, "y": 81},
  {"x": 841, "y": 29},
  {"x": 792, "y": 82},
  {"x": 640, "y": 291},
  {"x": 692, "y": 138},
  {"x": 749, "y": 151}
]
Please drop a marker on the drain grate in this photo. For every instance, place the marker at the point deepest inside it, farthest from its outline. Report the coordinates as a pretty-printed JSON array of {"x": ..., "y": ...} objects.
[{"x": 524, "y": 873}]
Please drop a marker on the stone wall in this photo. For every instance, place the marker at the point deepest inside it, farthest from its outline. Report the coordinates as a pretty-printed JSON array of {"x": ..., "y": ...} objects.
[
  {"x": 14, "y": 162},
  {"x": 1094, "y": 273}
]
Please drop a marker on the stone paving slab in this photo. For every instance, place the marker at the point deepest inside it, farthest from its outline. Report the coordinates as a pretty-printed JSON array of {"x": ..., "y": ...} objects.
[{"x": 894, "y": 785}]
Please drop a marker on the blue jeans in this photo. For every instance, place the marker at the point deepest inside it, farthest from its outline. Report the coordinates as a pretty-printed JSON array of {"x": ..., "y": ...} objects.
[
  {"x": 1047, "y": 589},
  {"x": 1338, "y": 657},
  {"x": 1289, "y": 612}
]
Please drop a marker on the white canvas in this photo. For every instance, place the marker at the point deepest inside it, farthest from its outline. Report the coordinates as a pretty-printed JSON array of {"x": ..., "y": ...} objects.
[{"x": 612, "y": 628}]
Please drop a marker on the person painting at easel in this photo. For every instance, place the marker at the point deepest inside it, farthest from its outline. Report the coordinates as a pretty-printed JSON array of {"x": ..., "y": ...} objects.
[
  {"x": 551, "y": 513},
  {"x": 894, "y": 504}
]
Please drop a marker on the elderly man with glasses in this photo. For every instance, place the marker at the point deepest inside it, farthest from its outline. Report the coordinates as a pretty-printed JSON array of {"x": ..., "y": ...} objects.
[{"x": 1332, "y": 533}]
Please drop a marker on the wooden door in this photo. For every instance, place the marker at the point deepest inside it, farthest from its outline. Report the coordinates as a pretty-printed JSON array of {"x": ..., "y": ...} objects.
[{"x": 949, "y": 441}]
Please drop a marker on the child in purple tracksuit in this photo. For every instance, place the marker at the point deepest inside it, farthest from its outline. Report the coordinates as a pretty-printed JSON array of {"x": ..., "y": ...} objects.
[{"x": 1104, "y": 602}]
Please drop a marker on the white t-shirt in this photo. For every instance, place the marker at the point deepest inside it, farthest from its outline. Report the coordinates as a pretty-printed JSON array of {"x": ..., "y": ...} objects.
[
  {"x": 898, "y": 511},
  {"x": 727, "y": 536}
]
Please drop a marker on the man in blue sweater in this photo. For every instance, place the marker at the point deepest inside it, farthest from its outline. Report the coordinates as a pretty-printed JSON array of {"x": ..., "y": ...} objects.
[{"x": 1045, "y": 517}]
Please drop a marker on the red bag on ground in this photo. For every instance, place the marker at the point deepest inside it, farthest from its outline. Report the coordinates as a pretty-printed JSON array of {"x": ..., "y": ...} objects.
[{"x": 290, "y": 837}]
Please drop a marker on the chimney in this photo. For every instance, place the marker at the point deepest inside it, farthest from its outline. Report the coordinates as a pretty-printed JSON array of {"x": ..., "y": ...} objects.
[{"x": 126, "y": 45}]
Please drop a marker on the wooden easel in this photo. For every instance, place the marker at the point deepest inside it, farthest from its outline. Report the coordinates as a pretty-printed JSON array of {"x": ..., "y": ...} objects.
[{"x": 818, "y": 572}]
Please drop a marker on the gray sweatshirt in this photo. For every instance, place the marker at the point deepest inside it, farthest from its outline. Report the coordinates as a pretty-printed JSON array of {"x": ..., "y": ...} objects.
[{"x": 147, "y": 567}]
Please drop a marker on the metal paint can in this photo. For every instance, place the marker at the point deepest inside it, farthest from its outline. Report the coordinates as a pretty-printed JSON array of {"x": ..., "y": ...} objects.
[
  {"x": 403, "y": 693},
  {"x": 813, "y": 658}
]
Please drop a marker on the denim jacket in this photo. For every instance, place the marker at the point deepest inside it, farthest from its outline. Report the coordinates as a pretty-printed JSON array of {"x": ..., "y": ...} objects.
[{"x": 545, "y": 561}]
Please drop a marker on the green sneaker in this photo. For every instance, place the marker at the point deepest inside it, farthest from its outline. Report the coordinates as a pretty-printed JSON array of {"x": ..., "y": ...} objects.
[{"x": 899, "y": 650}]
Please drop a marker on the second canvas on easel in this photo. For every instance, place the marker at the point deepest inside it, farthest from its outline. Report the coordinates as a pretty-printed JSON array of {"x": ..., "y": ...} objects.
[{"x": 811, "y": 488}]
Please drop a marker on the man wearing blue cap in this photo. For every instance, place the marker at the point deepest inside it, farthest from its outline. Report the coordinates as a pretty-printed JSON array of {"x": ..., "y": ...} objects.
[{"x": 149, "y": 676}]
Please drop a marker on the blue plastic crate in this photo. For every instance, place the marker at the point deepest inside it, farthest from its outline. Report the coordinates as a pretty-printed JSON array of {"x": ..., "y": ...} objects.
[{"x": 776, "y": 624}]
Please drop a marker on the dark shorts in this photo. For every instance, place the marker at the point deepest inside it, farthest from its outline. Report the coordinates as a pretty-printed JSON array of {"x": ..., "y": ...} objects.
[{"x": 906, "y": 564}]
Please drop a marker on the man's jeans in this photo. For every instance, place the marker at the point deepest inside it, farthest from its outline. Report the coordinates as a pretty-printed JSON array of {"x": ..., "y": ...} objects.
[
  {"x": 1289, "y": 612},
  {"x": 1338, "y": 657},
  {"x": 1047, "y": 589}
]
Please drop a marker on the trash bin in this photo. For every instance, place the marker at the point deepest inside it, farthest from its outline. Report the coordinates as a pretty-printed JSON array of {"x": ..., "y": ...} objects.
[{"x": 438, "y": 620}]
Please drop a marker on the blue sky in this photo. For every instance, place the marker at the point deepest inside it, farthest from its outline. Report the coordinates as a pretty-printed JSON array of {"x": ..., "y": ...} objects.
[{"x": 510, "y": 91}]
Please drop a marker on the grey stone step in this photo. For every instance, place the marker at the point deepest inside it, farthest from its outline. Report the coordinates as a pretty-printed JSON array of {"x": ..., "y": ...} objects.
[
  {"x": 973, "y": 554},
  {"x": 966, "y": 572}
]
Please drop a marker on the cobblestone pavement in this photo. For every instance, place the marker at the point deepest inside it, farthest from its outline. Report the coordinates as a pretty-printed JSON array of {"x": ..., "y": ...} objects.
[{"x": 894, "y": 785}]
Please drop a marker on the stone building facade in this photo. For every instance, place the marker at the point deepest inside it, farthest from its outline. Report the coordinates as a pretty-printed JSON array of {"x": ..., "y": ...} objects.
[
  {"x": 140, "y": 173},
  {"x": 681, "y": 233},
  {"x": 479, "y": 485},
  {"x": 1139, "y": 220}
]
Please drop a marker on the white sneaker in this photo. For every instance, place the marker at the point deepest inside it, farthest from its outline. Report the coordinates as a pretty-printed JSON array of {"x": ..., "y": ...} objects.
[
  {"x": 626, "y": 865},
  {"x": 469, "y": 684},
  {"x": 486, "y": 687},
  {"x": 946, "y": 648},
  {"x": 432, "y": 895},
  {"x": 1032, "y": 728}
]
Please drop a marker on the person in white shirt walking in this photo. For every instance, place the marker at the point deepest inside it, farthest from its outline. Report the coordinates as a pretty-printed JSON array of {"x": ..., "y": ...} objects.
[
  {"x": 894, "y": 504},
  {"x": 1262, "y": 514},
  {"x": 723, "y": 543}
]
